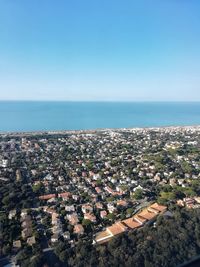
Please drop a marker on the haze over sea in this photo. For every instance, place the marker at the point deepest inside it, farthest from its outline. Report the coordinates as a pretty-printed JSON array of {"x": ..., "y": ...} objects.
[{"x": 43, "y": 116}]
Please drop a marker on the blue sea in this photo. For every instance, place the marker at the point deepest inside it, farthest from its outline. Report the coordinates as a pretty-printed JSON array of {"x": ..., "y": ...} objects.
[{"x": 46, "y": 116}]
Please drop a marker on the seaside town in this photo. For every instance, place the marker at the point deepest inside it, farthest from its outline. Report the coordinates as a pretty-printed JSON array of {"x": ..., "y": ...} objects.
[{"x": 92, "y": 185}]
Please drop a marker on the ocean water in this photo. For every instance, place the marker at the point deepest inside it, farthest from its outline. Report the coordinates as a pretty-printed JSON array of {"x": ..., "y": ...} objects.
[{"x": 43, "y": 116}]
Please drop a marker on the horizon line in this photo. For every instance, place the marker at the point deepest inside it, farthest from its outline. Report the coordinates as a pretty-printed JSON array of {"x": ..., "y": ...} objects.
[{"x": 100, "y": 101}]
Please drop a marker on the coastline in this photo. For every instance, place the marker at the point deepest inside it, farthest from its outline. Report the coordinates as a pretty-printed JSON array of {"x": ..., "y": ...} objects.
[{"x": 93, "y": 131}]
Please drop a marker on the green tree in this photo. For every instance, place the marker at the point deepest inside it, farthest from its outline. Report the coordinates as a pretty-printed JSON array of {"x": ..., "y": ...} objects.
[{"x": 138, "y": 194}]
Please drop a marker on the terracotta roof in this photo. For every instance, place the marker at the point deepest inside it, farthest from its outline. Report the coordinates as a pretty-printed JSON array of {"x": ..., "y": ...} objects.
[
  {"x": 90, "y": 217},
  {"x": 158, "y": 207},
  {"x": 98, "y": 190},
  {"x": 150, "y": 209},
  {"x": 117, "y": 228},
  {"x": 147, "y": 214},
  {"x": 104, "y": 234},
  {"x": 73, "y": 218},
  {"x": 131, "y": 223},
  {"x": 99, "y": 205},
  {"x": 54, "y": 215},
  {"x": 122, "y": 202},
  {"x": 103, "y": 237},
  {"x": 139, "y": 219},
  {"x": 45, "y": 197},
  {"x": 78, "y": 229},
  {"x": 65, "y": 194},
  {"x": 134, "y": 222}
]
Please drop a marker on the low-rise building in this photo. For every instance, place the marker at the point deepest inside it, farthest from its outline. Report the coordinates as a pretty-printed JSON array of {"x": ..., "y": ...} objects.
[
  {"x": 78, "y": 229},
  {"x": 138, "y": 220}
]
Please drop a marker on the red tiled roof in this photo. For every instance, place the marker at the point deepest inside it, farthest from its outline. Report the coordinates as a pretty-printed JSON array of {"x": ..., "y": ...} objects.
[
  {"x": 147, "y": 215},
  {"x": 117, "y": 228},
  {"x": 46, "y": 197},
  {"x": 134, "y": 222},
  {"x": 65, "y": 194},
  {"x": 158, "y": 207},
  {"x": 131, "y": 223}
]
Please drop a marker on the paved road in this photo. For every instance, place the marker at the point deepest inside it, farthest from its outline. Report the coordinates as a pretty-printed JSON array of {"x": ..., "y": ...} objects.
[{"x": 47, "y": 249}]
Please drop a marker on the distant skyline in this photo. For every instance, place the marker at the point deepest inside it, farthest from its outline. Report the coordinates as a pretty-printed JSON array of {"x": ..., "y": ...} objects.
[{"x": 100, "y": 50}]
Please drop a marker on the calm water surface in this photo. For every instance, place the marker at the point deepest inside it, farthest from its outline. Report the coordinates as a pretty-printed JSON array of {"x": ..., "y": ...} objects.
[{"x": 34, "y": 116}]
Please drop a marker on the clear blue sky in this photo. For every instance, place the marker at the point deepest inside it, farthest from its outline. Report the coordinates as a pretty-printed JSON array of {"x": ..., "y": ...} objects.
[{"x": 100, "y": 50}]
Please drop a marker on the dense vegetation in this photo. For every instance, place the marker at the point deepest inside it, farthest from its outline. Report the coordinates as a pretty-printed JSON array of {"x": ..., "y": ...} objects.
[{"x": 172, "y": 241}]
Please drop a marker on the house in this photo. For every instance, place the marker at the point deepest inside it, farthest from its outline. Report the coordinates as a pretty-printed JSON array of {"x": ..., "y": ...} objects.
[
  {"x": 109, "y": 190},
  {"x": 65, "y": 195},
  {"x": 138, "y": 220},
  {"x": 26, "y": 226},
  {"x": 47, "y": 197},
  {"x": 103, "y": 213},
  {"x": 31, "y": 241},
  {"x": 84, "y": 174},
  {"x": 99, "y": 205},
  {"x": 111, "y": 231},
  {"x": 147, "y": 215},
  {"x": 117, "y": 228},
  {"x": 12, "y": 214},
  {"x": 75, "y": 197},
  {"x": 23, "y": 213},
  {"x": 111, "y": 207},
  {"x": 141, "y": 220},
  {"x": 96, "y": 176},
  {"x": 157, "y": 177},
  {"x": 49, "y": 210},
  {"x": 98, "y": 190},
  {"x": 66, "y": 235},
  {"x": 49, "y": 177},
  {"x": 122, "y": 203},
  {"x": 87, "y": 208},
  {"x": 131, "y": 223},
  {"x": 189, "y": 202},
  {"x": 172, "y": 181},
  {"x": 34, "y": 172},
  {"x": 54, "y": 238},
  {"x": 18, "y": 175},
  {"x": 26, "y": 223},
  {"x": 91, "y": 173},
  {"x": 78, "y": 229},
  {"x": 54, "y": 216},
  {"x": 57, "y": 229},
  {"x": 51, "y": 200},
  {"x": 70, "y": 208},
  {"x": 102, "y": 237},
  {"x": 17, "y": 244},
  {"x": 180, "y": 203},
  {"x": 27, "y": 232},
  {"x": 158, "y": 207},
  {"x": 197, "y": 199},
  {"x": 73, "y": 218},
  {"x": 90, "y": 216},
  {"x": 4, "y": 163}
]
